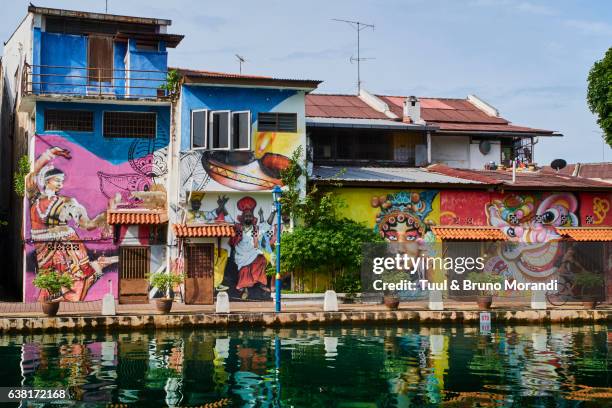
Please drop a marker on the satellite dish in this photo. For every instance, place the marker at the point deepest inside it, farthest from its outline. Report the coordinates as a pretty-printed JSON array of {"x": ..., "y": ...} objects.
[
  {"x": 484, "y": 146},
  {"x": 558, "y": 164}
]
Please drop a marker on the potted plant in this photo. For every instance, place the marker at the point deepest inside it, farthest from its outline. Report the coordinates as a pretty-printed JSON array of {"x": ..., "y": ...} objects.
[
  {"x": 588, "y": 285},
  {"x": 164, "y": 282},
  {"x": 349, "y": 284},
  {"x": 52, "y": 282},
  {"x": 170, "y": 87},
  {"x": 484, "y": 297},
  {"x": 390, "y": 296}
]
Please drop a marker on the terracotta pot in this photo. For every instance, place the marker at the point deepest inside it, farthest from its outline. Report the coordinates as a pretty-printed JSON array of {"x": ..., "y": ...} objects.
[
  {"x": 391, "y": 301},
  {"x": 163, "y": 305},
  {"x": 484, "y": 302},
  {"x": 50, "y": 308},
  {"x": 589, "y": 304},
  {"x": 161, "y": 93}
]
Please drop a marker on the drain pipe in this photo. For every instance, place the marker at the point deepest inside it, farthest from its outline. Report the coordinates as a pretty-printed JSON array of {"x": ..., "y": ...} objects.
[{"x": 513, "y": 171}]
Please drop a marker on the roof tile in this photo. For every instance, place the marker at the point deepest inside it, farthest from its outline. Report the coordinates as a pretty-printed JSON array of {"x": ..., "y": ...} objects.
[
  {"x": 204, "y": 230},
  {"x": 127, "y": 217},
  {"x": 468, "y": 233},
  {"x": 587, "y": 233}
]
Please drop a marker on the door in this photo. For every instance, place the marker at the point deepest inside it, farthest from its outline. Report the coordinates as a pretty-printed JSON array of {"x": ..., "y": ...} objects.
[
  {"x": 199, "y": 264},
  {"x": 134, "y": 264}
]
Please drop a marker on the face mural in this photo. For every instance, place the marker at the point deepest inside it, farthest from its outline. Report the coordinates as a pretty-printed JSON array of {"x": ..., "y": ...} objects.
[
  {"x": 403, "y": 216},
  {"x": 240, "y": 264}
]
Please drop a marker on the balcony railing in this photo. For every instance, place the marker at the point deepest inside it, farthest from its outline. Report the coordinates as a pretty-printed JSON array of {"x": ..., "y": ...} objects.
[{"x": 93, "y": 82}]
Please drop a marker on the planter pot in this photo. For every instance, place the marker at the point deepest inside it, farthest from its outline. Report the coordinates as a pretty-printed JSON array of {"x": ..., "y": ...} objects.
[
  {"x": 50, "y": 308},
  {"x": 391, "y": 301},
  {"x": 161, "y": 93},
  {"x": 164, "y": 305},
  {"x": 484, "y": 302},
  {"x": 589, "y": 304}
]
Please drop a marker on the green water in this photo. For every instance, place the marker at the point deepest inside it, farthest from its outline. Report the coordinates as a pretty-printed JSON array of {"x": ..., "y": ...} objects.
[{"x": 330, "y": 367}]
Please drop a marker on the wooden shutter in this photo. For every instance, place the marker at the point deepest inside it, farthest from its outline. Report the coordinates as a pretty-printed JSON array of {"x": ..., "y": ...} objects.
[
  {"x": 134, "y": 262},
  {"x": 100, "y": 58},
  {"x": 199, "y": 265}
]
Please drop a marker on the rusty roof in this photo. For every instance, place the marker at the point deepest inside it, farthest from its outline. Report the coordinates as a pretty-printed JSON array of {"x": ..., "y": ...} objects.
[
  {"x": 599, "y": 171},
  {"x": 194, "y": 76},
  {"x": 204, "y": 230},
  {"x": 47, "y": 11},
  {"x": 450, "y": 115},
  {"x": 340, "y": 106},
  {"x": 525, "y": 179}
]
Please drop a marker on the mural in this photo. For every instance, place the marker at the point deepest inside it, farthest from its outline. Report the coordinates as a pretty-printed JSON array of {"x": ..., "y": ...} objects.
[
  {"x": 595, "y": 209},
  {"x": 403, "y": 216},
  {"x": 73, "y": 180},
  {"x": 241, "y": 263}
]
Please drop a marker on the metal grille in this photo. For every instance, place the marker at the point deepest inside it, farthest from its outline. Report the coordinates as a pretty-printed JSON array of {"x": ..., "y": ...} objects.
[
  {"x": 129, "y": 124},
  {"x": 64, "y": 119},
  {"x": 199, "y": 260},
  {"x": 277, "y": 122},
  {"x": 134, "y": 262}
]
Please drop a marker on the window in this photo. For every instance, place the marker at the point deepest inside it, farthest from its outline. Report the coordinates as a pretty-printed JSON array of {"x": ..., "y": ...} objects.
[
  {"x": 241, "y": 130},
  {"x": 130, "y": 124},
  {"x": 100, "y": 58},
  {"x": 64, "y": 119},
  {"x": 219, "y": 130},
  {"x": 199, "y": 125},
  {"x": 277, "y": 122}
]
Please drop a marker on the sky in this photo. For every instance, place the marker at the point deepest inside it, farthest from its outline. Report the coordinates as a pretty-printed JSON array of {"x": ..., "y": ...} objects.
[{"x": 529, "y": 59}]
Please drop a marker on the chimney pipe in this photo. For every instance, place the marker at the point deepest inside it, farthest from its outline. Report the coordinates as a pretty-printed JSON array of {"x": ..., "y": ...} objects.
[{"x": 412, "y": 110}]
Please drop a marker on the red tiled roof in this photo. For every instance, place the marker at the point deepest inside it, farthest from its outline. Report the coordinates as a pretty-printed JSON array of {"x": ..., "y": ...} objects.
[
  {"x": 340, "y": 106},
  {"x": 524, "y": 178},
  {"x": 587, "y": 233},
  {"x": 468, "y": 233},
  {"x": 206, "y": 230},
  {"x": 127, "y": 217}
]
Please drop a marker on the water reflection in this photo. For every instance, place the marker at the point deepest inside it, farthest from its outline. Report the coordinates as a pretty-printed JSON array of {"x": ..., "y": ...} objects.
[{"x": 364, "y": 367}]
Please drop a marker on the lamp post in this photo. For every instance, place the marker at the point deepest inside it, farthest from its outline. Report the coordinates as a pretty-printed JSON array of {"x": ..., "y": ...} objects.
[{"x": 276, "y": 195}]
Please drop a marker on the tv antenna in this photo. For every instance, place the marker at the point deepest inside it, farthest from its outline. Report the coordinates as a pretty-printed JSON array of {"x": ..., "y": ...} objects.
[
  {"x": 241, "y": 60},
  {"x": 358, "y": 26},
  {"x": 106, "y": 7}
]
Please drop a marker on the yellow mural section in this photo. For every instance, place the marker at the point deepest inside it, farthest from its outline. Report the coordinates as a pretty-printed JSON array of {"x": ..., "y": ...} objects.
[
  {"x": 359, "y": 204},
  {"x": 282, "y": 143}
]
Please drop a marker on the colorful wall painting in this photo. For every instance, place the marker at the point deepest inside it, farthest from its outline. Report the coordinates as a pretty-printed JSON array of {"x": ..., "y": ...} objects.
[
  {"x": 73, "y": 177},
  {"x": 257, "y": 169},
  {"x": 595, "y": 209},
  {"x": 241, "y": 261}
]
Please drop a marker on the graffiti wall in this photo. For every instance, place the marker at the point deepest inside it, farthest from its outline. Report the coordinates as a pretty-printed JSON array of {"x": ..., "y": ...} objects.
[
  {"x": 73, "y": 177},
  {"x": 254, "y": 169},
  {"x": 242, "y": 261}
]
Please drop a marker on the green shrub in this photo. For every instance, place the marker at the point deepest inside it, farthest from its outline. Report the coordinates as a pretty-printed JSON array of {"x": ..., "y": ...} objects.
[
  {"x": 166, "y": 281},
  {"x": 51, "y": 281}
]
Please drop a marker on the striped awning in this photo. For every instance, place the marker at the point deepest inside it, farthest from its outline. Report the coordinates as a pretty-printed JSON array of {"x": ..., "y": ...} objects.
[
  {"x": 204, "y": 230},
  {"x": 586, "y": 233},
  {"x": 132, "y": 217},
  {"x": 468, "y": 233}
]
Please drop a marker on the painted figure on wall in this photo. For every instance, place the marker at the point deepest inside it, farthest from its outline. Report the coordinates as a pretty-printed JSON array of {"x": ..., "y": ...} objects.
[
  {"x": 403, "y": 216},
  {"x": 53, "y": 219},
  {"x": 250, "y": 246},
  {"x": 531, "y": 220}
]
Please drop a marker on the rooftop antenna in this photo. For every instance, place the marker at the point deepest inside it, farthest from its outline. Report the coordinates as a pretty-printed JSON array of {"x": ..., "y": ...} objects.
[
  {"x": 241, "y": 60},
  {"x": 106, "y": 7},
  {"x": 358, "y": 26}
]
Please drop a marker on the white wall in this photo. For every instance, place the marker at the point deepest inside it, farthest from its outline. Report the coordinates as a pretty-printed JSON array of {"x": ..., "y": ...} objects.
[
  {"x": 454, "y": 151},
  {"x": 478, "y": 160}
]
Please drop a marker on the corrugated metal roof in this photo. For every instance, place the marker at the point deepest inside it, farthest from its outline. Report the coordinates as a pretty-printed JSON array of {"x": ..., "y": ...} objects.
[
  {"x": 362, "y": 123},
  {"x": 48, "y": 11},
  {"x": 340, "y": 106},
  {"x": 195, "y": 76},
  {"x": 414, "y": 175}
]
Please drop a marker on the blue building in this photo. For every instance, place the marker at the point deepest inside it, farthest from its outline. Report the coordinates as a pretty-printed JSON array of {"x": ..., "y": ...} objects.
[{"x": 86, "y": 101}]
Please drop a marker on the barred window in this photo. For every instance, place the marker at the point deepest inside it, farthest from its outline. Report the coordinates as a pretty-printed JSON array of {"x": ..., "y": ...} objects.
[
  {"x": 65, "y": 119},
  {"x": 277, "y": 122},
  {"x": 130, "y": 124}
]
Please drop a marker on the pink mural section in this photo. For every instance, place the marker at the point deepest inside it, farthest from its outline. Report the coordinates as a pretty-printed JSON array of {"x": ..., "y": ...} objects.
[{"x": 68, "y": 190}]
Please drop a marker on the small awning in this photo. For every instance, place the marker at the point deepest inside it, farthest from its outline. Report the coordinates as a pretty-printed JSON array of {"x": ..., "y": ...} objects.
[
  {"x": 586, "y": 233},
  {"x": 132, "y": 217},
  {"x": 203, "y": 230},
  {"x": 468, "y": 233}
]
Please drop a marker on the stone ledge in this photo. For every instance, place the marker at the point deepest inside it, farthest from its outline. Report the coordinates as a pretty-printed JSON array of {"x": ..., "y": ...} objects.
[{"x": 269, "y": 319}]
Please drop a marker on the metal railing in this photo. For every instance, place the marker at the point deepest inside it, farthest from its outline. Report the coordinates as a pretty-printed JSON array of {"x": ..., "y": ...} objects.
[{"x": 95, "y": 82}]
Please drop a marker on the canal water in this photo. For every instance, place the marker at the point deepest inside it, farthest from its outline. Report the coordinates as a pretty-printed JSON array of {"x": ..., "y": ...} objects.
[{"x": 328, "y": 367}]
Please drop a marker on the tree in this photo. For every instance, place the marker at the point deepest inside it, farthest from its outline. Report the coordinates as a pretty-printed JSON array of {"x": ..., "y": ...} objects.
[{"x": 599, "y": 94}]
